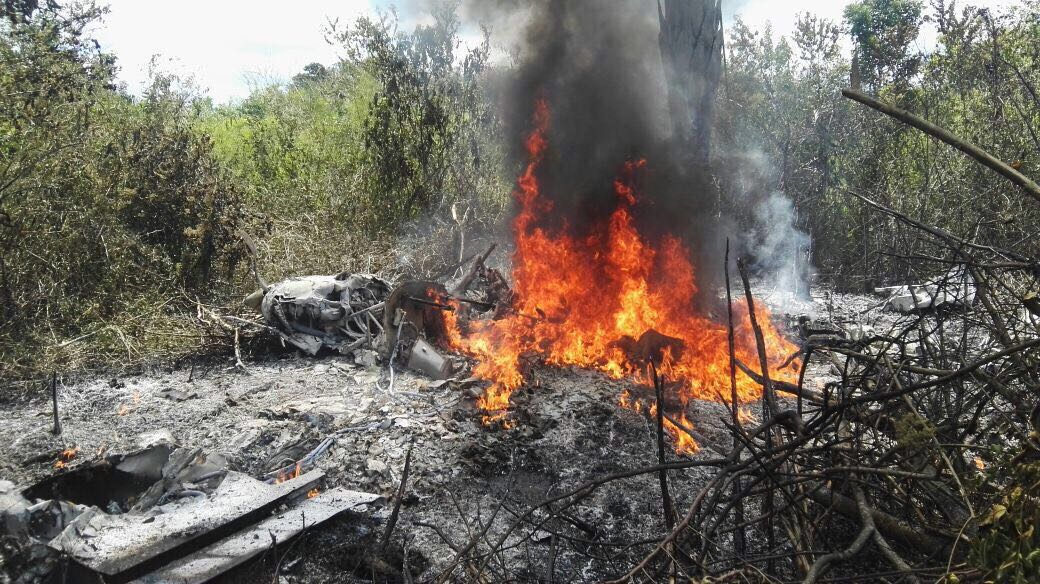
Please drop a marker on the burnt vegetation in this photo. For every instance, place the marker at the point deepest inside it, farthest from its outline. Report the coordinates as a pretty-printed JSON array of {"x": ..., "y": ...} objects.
[{"x": 853, "y": 154}]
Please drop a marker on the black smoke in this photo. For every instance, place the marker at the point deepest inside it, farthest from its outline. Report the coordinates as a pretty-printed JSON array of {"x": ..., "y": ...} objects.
[{"x": 599, "y": 66}]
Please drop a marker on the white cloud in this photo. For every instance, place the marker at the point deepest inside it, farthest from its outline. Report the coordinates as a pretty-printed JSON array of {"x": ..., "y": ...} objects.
[
  {"x": 224, "y": 44},
  {"x": 221, "y": 43},
  {"x": 784, "y": 15}
]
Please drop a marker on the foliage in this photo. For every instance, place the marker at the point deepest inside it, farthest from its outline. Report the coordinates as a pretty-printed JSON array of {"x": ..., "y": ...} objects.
[
  {"x": 784, "y": 123},
  {"x": 980, "y": 83},
  {"x": 358, "y": 151},
  {"x": 1008, "y": 549},
  {"x": 429, "y": 135},
  {"x": 108, "y": 206},
  {"x": 112, "y": 207},
  {"x": 883, "y": 32},
  {"x": 174, "y": 196}
]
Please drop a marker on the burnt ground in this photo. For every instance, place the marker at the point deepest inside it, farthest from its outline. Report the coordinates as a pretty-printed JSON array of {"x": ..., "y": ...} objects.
[{"x": 568, "y": 429}]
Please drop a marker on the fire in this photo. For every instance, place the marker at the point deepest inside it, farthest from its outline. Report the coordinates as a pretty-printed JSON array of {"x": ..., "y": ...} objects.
[
  {"x": 588, "y": 300},
  {"x": 66, "y": 457},
  {"x": 125, "y": 409},
  {"x": 289, "y": 475},
  {"x": 312, "y": 493},
  {"x": 746, "y": 416}
]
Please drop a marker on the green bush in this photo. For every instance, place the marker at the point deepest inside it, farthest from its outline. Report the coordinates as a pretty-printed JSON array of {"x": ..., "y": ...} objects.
[
  {"x": 118, "y": 213},
  {"x": 1008, "y": 546},
  {"x": 109, "y": 207},
  {"x": 782, "y": 105}
]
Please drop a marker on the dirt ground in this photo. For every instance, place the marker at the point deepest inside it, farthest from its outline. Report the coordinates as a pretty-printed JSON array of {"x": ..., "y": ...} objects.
[{"x": 568, "y": 429}]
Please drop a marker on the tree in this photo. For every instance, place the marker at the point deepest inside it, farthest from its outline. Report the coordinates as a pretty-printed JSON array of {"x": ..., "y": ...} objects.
[
  {"x": 17, "y": 11},
  {"x": 312, "y": 73},
  {"x": 429, "y": 125},
  {"x": 884, "y": 31},
  {"x": 107, "y": 203},
  {"x": 691, "y": 48}
]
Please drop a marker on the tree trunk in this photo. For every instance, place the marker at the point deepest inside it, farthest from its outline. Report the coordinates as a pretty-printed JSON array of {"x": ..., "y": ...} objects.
[{"x": 691, "y": 50}]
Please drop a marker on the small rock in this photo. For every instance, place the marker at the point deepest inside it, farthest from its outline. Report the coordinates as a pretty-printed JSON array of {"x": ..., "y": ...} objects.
[
  {"x": 366, "y": 358},
  {"x": 376, "y": 466},
  {"x": 366, "y": 379},
  {"x": 178, "y": 395},
  {"x": 153, "y": 437}
]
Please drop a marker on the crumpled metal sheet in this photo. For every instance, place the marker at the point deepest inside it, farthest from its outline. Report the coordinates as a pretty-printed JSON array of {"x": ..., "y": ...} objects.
[
  {"x": 342, "y": 312},
  {"x": 956, "y": 288}
]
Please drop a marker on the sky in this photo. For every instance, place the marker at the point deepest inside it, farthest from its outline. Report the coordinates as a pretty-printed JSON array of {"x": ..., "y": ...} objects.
[{"x": 229, "y": 46}]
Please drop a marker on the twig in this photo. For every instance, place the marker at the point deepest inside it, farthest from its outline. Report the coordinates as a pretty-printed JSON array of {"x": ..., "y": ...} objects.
[
  {"x": 740, "y": 536},
  {"x": 460, "y": 289},
  {"x": 666, "y": 499},
  {"x": 769, "y": 404},
  {"x": 392, "y": 521},
  {"x": 823, "y": 563},
  {"x": 54, "y": 399},
  {"x": 238, "y": 353}
]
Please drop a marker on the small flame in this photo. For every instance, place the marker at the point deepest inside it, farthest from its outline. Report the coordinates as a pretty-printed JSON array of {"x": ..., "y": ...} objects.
[
  {"x": 629, "y": 402},
  {"x": 125, "y": 409},
  {"x": 289, "y": 475},
  {"x": 746, "y": 416},
  {"x": 312, "y": 493},
  {"x": 66, "y": 457}
]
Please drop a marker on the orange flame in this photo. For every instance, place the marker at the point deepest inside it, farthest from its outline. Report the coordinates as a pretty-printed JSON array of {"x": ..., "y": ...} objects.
[
  {"x": 746, "y": 416},
  {"x": 577, "y": 296},
  {"x": 289, "y": 475},
  {"x": 312, "y": 493},
  {"x": 66, "y": 457},
  {"x": 125, "y": 409}
]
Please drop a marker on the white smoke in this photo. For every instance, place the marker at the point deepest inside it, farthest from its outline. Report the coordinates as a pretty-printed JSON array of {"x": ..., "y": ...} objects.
[{"x": 780, "y": 248}]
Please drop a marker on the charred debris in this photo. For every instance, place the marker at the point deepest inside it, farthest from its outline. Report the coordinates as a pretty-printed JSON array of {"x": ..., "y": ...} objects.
[
  {"x": 363, "y": 315},
  {"x": 163, "y": 512}
]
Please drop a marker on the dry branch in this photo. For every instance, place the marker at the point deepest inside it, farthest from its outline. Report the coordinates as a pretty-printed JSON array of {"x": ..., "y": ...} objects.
[{"x": 987, "y": 159}]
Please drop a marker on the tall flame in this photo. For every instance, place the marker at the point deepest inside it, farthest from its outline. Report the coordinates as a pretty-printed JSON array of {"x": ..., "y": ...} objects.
[{"x": 577, "y": 296}]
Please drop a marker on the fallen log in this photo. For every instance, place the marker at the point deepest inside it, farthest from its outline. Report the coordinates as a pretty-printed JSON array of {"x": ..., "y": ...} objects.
[
  {"x": 463, "y": 285},
  {"x": 888, "y": 525},
  {"x": 808, "y": 395}
]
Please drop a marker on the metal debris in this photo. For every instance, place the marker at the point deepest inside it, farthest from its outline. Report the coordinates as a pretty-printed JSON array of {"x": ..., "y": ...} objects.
[
  {"x": 122, "y": 547},
  {"x": 341, "y": 312},
  {"x": 955, "y": 288},
  {"x": 208, "y": 563},
  {"x": 358, "y": 313}
]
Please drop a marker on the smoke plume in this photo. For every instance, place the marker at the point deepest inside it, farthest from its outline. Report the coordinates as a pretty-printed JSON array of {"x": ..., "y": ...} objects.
[{"x": 599, "y": 66}]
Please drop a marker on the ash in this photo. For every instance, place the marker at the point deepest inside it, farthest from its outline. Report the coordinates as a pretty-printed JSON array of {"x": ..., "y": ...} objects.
[
  {"x": 473, "y": 500},
  {"x": 567, "y": 429}
]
